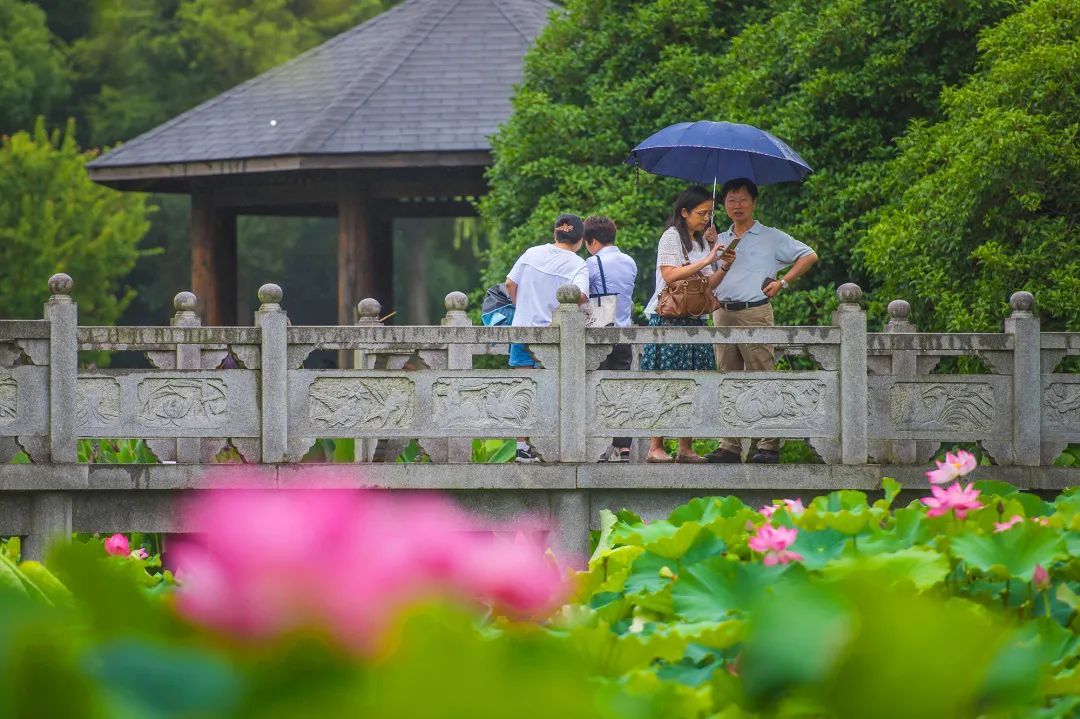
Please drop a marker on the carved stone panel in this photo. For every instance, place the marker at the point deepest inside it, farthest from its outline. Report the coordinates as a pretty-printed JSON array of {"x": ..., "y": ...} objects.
[
  {"x": 502, "y": 403},
  {"x": 1061, "y": 407},
  {"x": 645, "y": 403},
  {"x": 183, "y": 403},
  {"x": 97, "y": 402},
  {"x": 348, "y": 403},
  {"x": 942, "y": 406},
  {"x": 771, "y": 403},
  {"x": 9, "y": 397}
]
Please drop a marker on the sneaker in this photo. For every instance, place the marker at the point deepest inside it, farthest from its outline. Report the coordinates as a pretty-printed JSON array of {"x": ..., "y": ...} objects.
[
  {"x": 765, "y": 456},
  {"x": 526, "y": 456},
  {"x": 724, "y": 456}
]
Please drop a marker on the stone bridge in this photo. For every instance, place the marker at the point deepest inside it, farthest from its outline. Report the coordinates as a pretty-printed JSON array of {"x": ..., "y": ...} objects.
[{"x": 869, "y": 403}]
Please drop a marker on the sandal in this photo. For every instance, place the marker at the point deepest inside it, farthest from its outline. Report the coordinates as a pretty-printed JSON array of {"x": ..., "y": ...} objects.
[
  {"x": 652, "y": 459},
  {"x": 690, "y": 459}
]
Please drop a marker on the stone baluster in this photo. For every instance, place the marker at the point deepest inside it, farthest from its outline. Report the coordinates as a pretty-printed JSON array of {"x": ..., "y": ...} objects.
[
  {"x": 458, "y": 356},
  {"x": 570, "y": 508},
  {"x": 851, "y": 319},
  {"x": 50, "y": 512},
  {"x": 188, "y": 356},
  {"x": 367, "y": 315},
  {"x": 271, "y": 319},
  {"x": 1027, "y": 392},
  {"x": 904, "y": 365}
]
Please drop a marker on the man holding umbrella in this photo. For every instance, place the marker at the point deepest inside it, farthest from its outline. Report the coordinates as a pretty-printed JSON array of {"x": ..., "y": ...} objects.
[
  {"x": 745, "y": 292},
  {"x": 741, "y": 157}
]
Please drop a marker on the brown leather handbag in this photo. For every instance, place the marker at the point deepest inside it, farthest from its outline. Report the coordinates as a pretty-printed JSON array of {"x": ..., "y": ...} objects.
[{"x": 690, "y": 297}]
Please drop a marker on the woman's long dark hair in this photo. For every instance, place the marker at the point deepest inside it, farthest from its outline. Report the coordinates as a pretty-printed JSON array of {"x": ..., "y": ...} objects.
[{"x": 687, "y": 200}]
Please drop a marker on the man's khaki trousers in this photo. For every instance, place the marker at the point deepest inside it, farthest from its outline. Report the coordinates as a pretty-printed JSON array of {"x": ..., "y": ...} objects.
[{"x": 736, "y": 357}]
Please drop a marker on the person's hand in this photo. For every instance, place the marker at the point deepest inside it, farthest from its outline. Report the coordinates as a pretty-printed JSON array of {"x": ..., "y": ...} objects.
[
  {"x": 710, "y": 235},
  {"x": 772, "y": 289},
  {"x": 726, "y": 257}
]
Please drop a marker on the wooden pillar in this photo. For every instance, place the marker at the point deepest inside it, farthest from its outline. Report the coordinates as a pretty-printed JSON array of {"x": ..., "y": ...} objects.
[
  {"x": 213, "y": 259},
  {"x": 365, "y": 251}
]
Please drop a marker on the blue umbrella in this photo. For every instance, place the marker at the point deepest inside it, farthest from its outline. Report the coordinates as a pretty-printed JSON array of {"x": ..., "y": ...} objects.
[{"x": 717, "y": 152}]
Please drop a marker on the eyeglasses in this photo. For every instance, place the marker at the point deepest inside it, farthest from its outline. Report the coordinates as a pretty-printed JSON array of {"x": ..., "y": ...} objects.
[
  {"x": 703, "y": 215},
  {"x": 737, "y": 201}
]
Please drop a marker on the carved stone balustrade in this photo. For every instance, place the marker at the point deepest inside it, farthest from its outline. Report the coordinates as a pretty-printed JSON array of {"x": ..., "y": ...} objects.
[{"x": 861, "y": 400}]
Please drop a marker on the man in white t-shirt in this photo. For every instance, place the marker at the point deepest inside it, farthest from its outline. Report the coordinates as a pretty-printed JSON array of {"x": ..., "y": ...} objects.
[{"x": 532, "y": 283}]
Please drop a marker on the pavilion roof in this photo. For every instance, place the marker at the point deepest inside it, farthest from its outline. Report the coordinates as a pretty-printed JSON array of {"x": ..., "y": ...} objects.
[{"x": 425, "y": 77}]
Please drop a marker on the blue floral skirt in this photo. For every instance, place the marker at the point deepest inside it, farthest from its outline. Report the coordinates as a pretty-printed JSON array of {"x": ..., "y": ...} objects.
[{"x": 665, "y": 356}]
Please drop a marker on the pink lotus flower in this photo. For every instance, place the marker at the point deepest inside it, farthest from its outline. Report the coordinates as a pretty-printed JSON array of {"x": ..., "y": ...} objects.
[
  {"x": 139, "y": 553},
  {"x": 955, "y": 465},
  {"x": 1040, "y": 579},
  {"x": 276, "y": 561},
  {"x": 1005, "y": 526},
  {"x": 117, "y": 545},
  {"x": 1044, "y": 521},
  {"x": 773, "y": 543},
  {"x": 960, "y": 500},
  {"x": 794, "y": 507}
]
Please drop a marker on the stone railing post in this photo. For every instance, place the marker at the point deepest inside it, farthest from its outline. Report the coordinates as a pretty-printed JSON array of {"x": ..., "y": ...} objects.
[
  {"x": 904, "y": 364},
  {"x": 50, "y": 512},
  {"x": 851, "y": 319},
  {"x": 570, "y": 508},
  {"x": 367, "y": 315},
  {"x": 571, "y": 323},
  {"x": 1027, "y": 393},
  {"x": 188, "y": 450},
  {"x": 272, "y": 321},
  {"x": 458, "y": 356}
]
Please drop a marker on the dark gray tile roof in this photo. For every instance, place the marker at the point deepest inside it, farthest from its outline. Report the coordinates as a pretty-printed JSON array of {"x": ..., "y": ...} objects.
[{"x": 425, "y": 76}]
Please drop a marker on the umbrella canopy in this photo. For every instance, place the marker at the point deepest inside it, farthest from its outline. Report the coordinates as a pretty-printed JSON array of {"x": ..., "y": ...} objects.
[{"x": 717, "y": 152}]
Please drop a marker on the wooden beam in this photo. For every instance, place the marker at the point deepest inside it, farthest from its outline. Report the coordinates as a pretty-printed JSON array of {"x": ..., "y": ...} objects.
[
  {"x": 381, "y": 236},
  {"x": 213, "y": 259},
  {"x": 356, "y": 278}
]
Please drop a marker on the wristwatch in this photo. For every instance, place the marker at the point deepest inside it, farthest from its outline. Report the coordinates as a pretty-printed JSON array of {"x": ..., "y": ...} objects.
[{"x": 784, "y": 284}]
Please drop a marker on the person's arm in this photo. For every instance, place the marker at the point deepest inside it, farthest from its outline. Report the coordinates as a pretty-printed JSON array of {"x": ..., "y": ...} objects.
[
  {"x": 726, "y": 258},
  {"x": 581, "y": 279},
  {"x": 801, "y": 266},
  {"x": 674, "y": 273},
  {"x": 511, "y": 289}
]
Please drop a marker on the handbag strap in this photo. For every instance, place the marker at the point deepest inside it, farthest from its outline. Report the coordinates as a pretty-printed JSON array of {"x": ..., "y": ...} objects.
[{"x": 603, "y": 280}]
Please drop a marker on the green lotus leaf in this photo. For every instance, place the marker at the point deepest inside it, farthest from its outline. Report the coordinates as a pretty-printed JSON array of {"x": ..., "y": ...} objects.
[
  {"x": 819, "y": 548},
  {"x": 922, "y": 566},
  {"x": 718, "y": 587},
  {"x": 1013, "y": 553}
]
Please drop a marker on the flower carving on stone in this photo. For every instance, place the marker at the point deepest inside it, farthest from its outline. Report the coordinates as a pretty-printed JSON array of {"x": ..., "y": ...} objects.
[
  {"x": 645, "y": 404},
  {"x": 97, "y": 401},
  {"x": 485, "y": 402},
  {"x": 183, "y": 403},
  {"x": 346, "y": 403},
  {"x": 9, "y": 397},
  {"x": 942, "y": 406},
  {"x": 770, "y": 403},
  {"x": 1061, "y": 405}
]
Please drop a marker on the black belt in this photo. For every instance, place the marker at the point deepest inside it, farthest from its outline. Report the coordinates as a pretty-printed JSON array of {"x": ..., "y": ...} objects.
[{"x": 736, "y": 306}]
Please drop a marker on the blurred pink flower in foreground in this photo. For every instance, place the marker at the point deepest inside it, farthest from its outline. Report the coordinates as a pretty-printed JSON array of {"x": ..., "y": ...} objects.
[
  {"x": 346, "y": 561},
  {"x": 773, "y": 543},
  {"x": 117, "y": 545},
  {"x": 955, "y": 465},
  {"x": 960, "y": 500},
  {"x": 1007, "y": 525},
  {"x": 1041, "y": 578},
  {"x": 794, "y": 507}
]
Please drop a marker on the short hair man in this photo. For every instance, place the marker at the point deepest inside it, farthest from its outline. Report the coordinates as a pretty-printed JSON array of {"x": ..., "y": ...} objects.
[
  {"x": 744, "y": 296},
  {"x": 532, "y": 283},
  {"x": 611, "y": 272}
]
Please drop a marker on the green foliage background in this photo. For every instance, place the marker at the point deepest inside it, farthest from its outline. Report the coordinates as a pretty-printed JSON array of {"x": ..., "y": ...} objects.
[{"x": 937, "y": 155}]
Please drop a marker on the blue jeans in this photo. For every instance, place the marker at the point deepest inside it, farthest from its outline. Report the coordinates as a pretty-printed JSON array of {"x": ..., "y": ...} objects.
[{"x": 520, "y": 357}]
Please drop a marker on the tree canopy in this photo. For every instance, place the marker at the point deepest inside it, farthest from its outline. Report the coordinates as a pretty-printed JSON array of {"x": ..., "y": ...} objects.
[
  {"x": 850, "y": 84},
  {"x": 986, "y": 201},
  {"x": 54, "y": 219}
]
